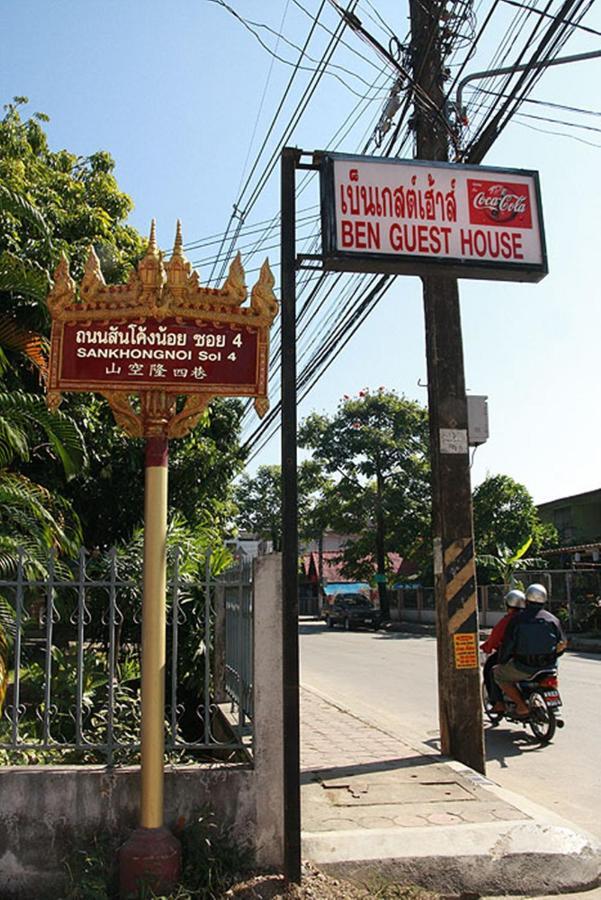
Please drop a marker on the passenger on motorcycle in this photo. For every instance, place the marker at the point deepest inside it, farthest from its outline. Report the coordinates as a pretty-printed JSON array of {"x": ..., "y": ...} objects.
[
  {"x": 533, "y": 641},
  {"x": 514, "y": 602}
]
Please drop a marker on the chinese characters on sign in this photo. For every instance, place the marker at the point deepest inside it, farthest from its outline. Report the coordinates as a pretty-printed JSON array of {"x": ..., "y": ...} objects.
[
  {"x": 159, "y": 336},
  {"x": 406, "y": 216},
  {"x": 170, "y": 353}
]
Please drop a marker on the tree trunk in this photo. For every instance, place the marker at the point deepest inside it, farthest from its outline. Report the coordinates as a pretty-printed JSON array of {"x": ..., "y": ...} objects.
[
  {"x": 320, "y": 567},
  {"x": 380, "y": 554}
]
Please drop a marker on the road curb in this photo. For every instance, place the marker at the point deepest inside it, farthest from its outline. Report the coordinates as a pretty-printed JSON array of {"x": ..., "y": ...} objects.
[
  {"x": 541, "y": 853},
  {"x": 534, "y": 856}
]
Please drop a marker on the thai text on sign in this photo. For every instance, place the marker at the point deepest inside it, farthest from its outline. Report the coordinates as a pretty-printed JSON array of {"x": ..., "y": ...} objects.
[
  {"x": 158, "y": 337},
  {"x": 466, "y": 650},
  {"x": 405, "y": 211},
  {"x": 169, "y": 354}
]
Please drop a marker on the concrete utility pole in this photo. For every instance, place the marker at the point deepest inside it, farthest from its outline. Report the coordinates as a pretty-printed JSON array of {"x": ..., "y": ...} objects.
[{"x": 460, "y": 707}]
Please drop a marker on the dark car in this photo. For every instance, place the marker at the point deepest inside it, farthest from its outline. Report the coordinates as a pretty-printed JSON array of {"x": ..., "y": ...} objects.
[{"x": 353, "y": 611}]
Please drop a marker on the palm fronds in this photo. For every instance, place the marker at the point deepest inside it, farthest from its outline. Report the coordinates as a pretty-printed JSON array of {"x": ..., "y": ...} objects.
[
  {"x": 28, "y": 509},
  {"x": 24, "y": 277},
  {"x": 21, "y": 208},
  {"x": 20, "y": 413},
  {"x": 14, "y": 337}
]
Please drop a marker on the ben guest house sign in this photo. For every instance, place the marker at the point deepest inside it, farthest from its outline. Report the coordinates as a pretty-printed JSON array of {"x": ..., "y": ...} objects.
[{"x": 418, "y": 217}]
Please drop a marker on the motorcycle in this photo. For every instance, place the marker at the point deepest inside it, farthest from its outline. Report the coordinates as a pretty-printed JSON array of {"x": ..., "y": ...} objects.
[{"x": 541, "y": 693}]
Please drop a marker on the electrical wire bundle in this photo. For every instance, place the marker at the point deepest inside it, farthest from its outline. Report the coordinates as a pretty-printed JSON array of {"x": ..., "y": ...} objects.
[{"x": 331, "y": 307}]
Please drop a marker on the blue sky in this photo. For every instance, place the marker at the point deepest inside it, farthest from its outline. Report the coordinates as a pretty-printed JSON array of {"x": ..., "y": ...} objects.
[{"x": 182, "y": 94}]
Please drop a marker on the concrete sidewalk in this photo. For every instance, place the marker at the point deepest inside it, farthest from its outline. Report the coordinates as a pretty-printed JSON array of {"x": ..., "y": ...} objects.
[{"x": 370, "y": 800}]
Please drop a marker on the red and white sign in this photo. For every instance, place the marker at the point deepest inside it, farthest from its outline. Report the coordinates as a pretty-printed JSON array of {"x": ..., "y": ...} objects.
[
  {"x": 171, "y": 354},
  {"x": 384, "y": 215},
  {"x": 505, "y": 204}
]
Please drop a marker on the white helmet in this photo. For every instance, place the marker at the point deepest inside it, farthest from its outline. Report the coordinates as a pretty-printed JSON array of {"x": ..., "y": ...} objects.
[
  {"x": 515, "y": 599},
  {"x": 536, "y": 593}
]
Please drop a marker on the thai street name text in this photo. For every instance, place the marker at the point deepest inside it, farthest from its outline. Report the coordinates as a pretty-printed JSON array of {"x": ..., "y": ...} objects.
[{"x": 152, "y": 353}]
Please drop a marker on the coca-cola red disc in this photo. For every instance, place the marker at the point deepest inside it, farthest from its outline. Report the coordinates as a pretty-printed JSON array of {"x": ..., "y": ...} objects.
[{"x": 499, "y": 203}]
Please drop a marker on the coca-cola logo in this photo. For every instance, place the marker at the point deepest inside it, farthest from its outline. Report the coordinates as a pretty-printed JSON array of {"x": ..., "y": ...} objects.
[{"x": 499, "y": 203}]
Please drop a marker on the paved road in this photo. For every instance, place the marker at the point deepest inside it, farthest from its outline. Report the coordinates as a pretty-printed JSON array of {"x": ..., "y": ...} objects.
[{"x": 389, "y": 678}]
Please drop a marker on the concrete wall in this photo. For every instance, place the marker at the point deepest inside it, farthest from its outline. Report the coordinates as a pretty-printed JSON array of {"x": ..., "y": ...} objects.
[
  {"x": 410, "y": 606},
  {"x": 45, "y": 810},
  {"x": 268, "y": 710},
  {"x": 428, "y": 616}
]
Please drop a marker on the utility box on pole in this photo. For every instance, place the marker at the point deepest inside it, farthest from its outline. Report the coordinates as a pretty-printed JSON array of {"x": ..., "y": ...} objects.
[{"x": 477, "y": 420}]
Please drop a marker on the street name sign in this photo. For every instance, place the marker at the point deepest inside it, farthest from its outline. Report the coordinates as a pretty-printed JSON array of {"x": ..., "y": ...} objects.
[
  {"x": 173, "y": 354},
  {"x": 416, "y": 217},
  {"x": 159, "y": 336}
]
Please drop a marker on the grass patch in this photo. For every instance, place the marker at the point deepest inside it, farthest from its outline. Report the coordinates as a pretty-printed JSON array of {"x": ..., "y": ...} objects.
[{"x": 211, "y": 863}]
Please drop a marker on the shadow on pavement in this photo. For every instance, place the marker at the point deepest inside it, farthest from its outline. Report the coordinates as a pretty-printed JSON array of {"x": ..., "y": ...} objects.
[
  {"x": 312, "y": 627},
  {"x": 583, "y": 654},
  {"x": 385, "y": 765},
  {"x": 316, "y": 626},
  {"x": 402, "y": 635},
  {"x": 503, "y": 743}
]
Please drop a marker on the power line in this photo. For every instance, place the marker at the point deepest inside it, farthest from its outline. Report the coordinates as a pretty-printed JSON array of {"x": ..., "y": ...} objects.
[
  {"x": 550, "y": 43},
  {"x": 270, "y": 129},
  {"x": 559, "y": 122},
  {"x": 260, "y": 110},
  {"x": 552, "y": 105},
  {"x": 251, "y": 26},
  {"x": 551, "y": 16},
  {"x": 247, "y": 230},
  {"x": 322, "y": 335},
  {"x": 573, "y": 137},
  {"x": 342, "y": 43}
]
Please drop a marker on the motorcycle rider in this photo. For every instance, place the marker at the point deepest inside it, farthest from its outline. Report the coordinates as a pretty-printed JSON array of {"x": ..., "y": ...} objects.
[
  {"x": 533, "y": 641},
  {"x": 515, "y": 600}
]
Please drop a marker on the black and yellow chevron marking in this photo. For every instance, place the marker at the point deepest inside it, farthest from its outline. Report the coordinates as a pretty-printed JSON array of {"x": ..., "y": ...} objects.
[{"x": 460, "y": 579}]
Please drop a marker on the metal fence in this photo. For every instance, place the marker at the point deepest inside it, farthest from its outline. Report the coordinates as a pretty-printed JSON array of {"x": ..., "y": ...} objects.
[
  {"x": 238, "y": 598},
  {"x": 70, "y": 642},
  {"x": 574, "y": 596}
]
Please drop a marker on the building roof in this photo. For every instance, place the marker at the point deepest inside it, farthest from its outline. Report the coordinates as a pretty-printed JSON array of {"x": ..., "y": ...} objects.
[
  {"x": 573, "y": 548},
  {"x": 332, "y": 565},
  {"x": 594, "y": 494}
]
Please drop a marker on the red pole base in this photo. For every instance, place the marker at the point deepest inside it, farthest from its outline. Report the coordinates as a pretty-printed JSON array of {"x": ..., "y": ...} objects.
[{"x": 150, "y": 858}]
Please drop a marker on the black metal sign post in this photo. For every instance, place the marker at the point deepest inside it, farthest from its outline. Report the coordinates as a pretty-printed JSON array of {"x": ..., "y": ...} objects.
[{"x": 290, "y": 667}]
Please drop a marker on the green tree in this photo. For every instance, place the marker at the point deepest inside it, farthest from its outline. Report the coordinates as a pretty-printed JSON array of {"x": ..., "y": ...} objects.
[
  {"x": 258, "y": 500},
  {"x": 376, "y": 447},
  {"x": 31, "y": 517},
  {"x": 506, "y": 527},
  {"x": 55, "y": 202},
  {"x": 108, "y": 496},
  {"x": 61, "y": 203}
]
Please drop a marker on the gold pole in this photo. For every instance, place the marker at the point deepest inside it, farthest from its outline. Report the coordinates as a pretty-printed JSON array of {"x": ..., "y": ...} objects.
[{"x": 153, "y": 632}]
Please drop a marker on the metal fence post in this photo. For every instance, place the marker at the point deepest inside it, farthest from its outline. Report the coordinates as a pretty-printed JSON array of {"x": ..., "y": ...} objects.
[{"x": 219, "y": 645}]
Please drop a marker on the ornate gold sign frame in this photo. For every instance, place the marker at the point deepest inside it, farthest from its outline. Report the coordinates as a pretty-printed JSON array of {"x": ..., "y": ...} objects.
[{"x": 159, "y": 290}]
